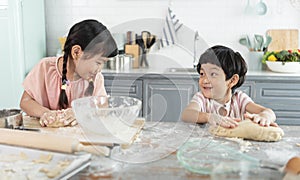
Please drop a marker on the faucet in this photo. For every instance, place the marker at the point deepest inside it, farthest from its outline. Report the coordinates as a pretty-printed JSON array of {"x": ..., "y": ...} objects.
[{"x": 196, "y": 38}]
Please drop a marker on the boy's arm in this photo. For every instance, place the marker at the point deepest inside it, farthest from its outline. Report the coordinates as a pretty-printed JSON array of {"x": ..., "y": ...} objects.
[
  {"x": 260, "y": 114},
  {"x": 192, "y": 114}
]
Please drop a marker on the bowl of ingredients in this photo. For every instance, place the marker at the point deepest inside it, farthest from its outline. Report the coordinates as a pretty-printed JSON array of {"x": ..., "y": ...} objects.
[
  {"x": 102, "y": 115},
  {"x": 285, "y": 61},
  {"x": 10, "y": 118},
  {"x": 287, "y": 67}
]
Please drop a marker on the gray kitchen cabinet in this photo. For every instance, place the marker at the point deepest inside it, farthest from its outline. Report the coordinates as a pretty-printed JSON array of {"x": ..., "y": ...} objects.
[
  {"x": 124, "y": 88},
  {"x": 248, "y": 88},
  {"x": 118, "y": 86},
  {"x": 283, "y": 98},
  {"x": 165, "y": 96},
  {"x": 164, "y": 99}
]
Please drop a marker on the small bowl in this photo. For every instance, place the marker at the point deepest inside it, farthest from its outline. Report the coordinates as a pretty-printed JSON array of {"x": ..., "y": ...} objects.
[
  {"x": 10, "y": 118},
  {"x": 284, "y": 67},
  {"x": 102, "y": 115}
]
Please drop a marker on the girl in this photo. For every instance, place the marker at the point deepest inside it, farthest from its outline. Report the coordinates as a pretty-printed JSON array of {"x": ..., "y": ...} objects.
[
  {"x": 222, "y": 71},
  {"x": 54, "y": 82}
]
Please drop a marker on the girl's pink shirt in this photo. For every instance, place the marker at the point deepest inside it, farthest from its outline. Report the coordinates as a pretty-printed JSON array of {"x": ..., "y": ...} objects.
[
  {"x": 43, "y": 84},
  {"x": 236, "y": 108}
]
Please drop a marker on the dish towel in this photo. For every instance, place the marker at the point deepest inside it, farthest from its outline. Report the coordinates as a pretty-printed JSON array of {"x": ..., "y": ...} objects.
[{"x": 172, "y": 25}]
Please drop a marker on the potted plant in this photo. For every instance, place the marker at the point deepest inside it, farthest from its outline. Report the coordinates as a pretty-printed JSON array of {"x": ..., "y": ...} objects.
[{"x": 287, "y": 61}]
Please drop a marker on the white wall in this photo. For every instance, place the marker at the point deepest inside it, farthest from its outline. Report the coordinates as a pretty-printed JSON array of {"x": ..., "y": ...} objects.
[{"x": 217, "y": 21}]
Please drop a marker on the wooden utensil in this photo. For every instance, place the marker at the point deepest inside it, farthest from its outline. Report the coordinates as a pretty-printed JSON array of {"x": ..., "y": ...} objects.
[
  {"x": 283, "y": 39},
  {"x": 48, "y": 142},
  {"x": 293, "y": 165},
  {"x": 134, "y": 51}
]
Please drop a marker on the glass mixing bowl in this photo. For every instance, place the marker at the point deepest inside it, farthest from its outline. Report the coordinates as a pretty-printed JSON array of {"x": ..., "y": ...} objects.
[{"x": 102, "y": 115}]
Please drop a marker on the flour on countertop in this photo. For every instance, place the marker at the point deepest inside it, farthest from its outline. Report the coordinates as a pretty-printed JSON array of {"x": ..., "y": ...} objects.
[{"x": 244, "y": 145}]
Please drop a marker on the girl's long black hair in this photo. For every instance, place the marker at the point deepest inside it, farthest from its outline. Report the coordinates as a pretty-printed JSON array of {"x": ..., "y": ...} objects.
[{"x": 93, "y": 38}]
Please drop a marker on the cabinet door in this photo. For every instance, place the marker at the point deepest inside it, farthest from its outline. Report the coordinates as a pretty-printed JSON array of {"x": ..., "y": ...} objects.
[
  {"x": 164, "y": 100},
  {"x": 118, "y": 87},
  {"x": 124, "y": 88},
  {"x": 247, "y": 87},
  {"x": 283, "y": 98}
]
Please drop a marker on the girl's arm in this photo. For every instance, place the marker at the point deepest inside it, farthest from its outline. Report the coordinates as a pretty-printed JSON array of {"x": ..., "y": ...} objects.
[
  {"x": 260, "y": 114},
  {"x": 192, "y": 114},
  {"x": 63, "y": 117},
  {"x": 31, "y": 107}
]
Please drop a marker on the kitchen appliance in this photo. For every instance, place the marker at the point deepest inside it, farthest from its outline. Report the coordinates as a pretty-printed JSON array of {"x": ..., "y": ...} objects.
[{"x": 120, "y": 62}]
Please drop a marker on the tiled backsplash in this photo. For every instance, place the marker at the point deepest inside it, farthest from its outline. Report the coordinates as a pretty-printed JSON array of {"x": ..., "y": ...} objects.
[{"x": 217, "y": 21}]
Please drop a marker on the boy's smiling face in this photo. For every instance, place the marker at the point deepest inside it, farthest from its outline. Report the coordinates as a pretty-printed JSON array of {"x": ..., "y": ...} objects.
[{"x": 213, "y": 83}]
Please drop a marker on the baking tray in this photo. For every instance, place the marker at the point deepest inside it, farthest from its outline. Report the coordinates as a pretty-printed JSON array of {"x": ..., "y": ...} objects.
[{"x": 18, "y": 162}]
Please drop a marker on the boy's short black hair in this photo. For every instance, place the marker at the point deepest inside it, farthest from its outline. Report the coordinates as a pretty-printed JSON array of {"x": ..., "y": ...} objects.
[{"x": 231, "y": 62}]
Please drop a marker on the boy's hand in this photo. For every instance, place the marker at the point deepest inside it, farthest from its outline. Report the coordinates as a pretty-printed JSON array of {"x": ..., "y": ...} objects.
[
  {"x": 260, "y": 119},
  {"x": 226, "y": 122}
]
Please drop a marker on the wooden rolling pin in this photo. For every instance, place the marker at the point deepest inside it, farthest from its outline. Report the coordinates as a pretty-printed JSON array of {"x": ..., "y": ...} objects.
[{"x": 50, "y": 142}]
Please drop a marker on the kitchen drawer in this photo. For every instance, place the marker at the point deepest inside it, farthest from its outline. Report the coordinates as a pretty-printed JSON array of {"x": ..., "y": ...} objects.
[
  {"x": 287, "y": 114},
  {"x": 164, "y": 100},
  {"x": 247, "y": 87},
  {"x": 119, "y": 87},
  {"x": 287, "y": 93},
  {"x": 124, "y": 88}
]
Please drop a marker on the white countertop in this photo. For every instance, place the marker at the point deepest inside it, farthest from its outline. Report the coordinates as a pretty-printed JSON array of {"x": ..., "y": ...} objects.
[{"x": 167, "y": 71}]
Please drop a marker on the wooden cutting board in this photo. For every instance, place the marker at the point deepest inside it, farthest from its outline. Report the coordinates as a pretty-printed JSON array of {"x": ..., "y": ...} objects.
[{"x": 283, "y": 39}]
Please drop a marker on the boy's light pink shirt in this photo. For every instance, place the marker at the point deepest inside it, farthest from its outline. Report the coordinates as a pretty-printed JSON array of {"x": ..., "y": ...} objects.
[
  {"x": 43, "y": 84},
  {"x": 237, "y": 107}
]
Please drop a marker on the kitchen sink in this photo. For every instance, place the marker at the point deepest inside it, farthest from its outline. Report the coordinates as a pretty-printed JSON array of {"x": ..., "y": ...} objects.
[{"x": 190, "y": 70}]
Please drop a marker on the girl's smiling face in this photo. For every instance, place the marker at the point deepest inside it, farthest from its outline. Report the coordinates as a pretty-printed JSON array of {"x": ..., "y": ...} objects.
[
  {"x": 88, "y": 66},
  {"x": 213, "y": 83}
]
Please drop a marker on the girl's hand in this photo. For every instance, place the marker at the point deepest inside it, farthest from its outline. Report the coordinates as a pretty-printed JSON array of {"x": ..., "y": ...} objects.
[
  {"x": 59, "y": 118},
  {"x": 67, "y": 117},
  {"x": 226, "y": 122},
  {"x": 47, "y": 118},
  {"x": 260, "y": 119}
]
